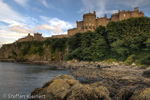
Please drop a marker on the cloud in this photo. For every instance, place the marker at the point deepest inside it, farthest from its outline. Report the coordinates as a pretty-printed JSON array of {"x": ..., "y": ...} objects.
[
  {"x": 98, "y": 5},
  {"x": 9, "y": 18},
  {"x": 15, "y": 25},
  {"x": 24, "y": 29},
  {"x": 7, "y": 37},
  {"x": 8, "y": 15},
  {"x": 57, "y": 22},
  {"x": 45, "y": 27},
  {"x": 46, "y": 4},
  {"x": 111, "y": 6},
  {"x": 36, "y": 9},
  {"x": 60, "y": 26},
  {"x": 22, "y": 3},
  {"x": 21, "y": 29}
]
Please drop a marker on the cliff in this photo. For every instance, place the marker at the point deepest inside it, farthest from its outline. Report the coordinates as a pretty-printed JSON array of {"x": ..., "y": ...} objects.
[{"x": 48, "y": 50}]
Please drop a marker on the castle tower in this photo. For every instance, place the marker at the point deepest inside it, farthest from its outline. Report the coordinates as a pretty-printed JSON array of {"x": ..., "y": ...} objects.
[{"x": 89, "y": 21}]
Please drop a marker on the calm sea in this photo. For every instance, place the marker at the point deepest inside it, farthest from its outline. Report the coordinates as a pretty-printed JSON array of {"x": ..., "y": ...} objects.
[{"x": 18, "y": 80}]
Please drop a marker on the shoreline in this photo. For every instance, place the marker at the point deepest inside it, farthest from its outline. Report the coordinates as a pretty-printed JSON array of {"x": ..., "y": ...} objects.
[{"x": 74, "y": 64}]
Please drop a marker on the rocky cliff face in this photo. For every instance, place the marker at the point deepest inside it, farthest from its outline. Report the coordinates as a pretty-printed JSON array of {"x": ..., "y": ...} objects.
[{"x": 30, "y": 52}]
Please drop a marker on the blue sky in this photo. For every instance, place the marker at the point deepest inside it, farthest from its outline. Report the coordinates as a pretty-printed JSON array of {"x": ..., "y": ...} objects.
[{"x": 53, "y": 17}]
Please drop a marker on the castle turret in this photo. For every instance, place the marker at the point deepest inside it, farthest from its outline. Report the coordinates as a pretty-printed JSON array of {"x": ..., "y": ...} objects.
[
  {"x": 105, "y": 16},
  {"x": 89, "y": 21},
  {"x": 136, "y": 9},
  {"x": 29, "y": 34}
]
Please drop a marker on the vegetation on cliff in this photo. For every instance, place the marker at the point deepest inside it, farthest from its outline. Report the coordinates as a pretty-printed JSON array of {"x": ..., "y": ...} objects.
[
  {"x": 124, "y": 40},
  {"x": 49, "y": 50},
  {"x": 127, "y": 40}
]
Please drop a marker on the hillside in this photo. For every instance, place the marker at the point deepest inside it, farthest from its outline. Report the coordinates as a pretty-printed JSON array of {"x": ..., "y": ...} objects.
[
  {"x": 48, "y": 50},
  {"x": 127, "y": 40}
]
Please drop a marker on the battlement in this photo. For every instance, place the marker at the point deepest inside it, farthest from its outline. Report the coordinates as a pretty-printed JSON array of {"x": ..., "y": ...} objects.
[
  {"x": 116, "y": 14},
  {"x": 90, "y": 14}
]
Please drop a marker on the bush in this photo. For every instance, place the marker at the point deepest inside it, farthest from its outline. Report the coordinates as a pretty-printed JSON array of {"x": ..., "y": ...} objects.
[
  {"x": 145, "y": 60},
  {"x": 130, "y": 59}
]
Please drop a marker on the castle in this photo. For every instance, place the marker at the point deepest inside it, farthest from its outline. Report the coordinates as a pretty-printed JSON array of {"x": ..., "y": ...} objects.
[{"x": 89, "y": 22}]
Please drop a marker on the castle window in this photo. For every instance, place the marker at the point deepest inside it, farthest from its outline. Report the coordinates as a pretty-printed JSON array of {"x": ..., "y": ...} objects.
[
  {"x": 89, "y": 24},
  {"x": 124, "y": 15},
  {"x": 90, "y": 19},
  {"x": 80, "y": 28}
]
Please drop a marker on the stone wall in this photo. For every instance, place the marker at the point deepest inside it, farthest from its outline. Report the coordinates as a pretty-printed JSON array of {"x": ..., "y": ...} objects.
[
  {"x": 27, "y": 38},
  {"x": 59, "y": 36},
  {"x": 38, "y": 37},
  {"x": 72, "y": 32}
]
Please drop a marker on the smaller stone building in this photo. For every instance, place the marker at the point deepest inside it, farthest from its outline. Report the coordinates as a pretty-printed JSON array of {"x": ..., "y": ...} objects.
[
  {"x": 36, "y": 37},
  {"x": 39, "y": 37}
]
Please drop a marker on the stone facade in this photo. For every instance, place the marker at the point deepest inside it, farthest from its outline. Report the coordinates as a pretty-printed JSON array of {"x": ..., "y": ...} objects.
[
  {"x": 90, "y": 22},
  {"x": 39, "y": 37},
  {"x": 27, "y": 38},
  {"x": 36, "y": 37}
]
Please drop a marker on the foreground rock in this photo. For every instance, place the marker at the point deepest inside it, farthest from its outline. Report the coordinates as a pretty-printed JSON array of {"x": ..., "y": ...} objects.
[
  {"x": 121, "y": 81},
  {"x": 67, "y": 88},
  {"x": 143, "y": 94}
]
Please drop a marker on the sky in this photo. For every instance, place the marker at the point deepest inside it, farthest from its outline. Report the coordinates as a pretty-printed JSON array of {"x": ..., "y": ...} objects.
[{"x": 55, "y": 17}]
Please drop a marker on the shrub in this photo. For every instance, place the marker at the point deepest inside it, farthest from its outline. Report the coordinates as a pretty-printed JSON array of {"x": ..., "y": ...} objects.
[
  {"x": 145, "y": 60},
  {"x": 130, "y": 59}
]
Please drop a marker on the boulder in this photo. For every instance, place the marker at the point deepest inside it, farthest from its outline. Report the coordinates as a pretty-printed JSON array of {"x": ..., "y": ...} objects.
[
  {"x": 146, "y": 74},
  {"x": 67, "y": 88},
  {"x": 124, "y": 94},
  {"x": 143, "y": 94}
]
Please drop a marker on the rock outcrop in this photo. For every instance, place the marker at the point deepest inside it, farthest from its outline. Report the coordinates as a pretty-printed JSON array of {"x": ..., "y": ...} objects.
[
  {"x": 67, "y": 88},
  {"x": 142, "y": 94}
]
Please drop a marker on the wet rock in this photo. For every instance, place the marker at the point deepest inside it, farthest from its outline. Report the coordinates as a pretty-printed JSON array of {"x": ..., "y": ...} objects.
[
  {"x": 143, "y": 94},
  {"x": 67, "y": 88},
  {"x": 146, "y": 74},
  {"x": 124, "y": 94}
]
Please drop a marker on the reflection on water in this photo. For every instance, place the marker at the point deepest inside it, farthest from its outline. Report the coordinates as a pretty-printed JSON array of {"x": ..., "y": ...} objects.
[{"x": 23, "y": 78}]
